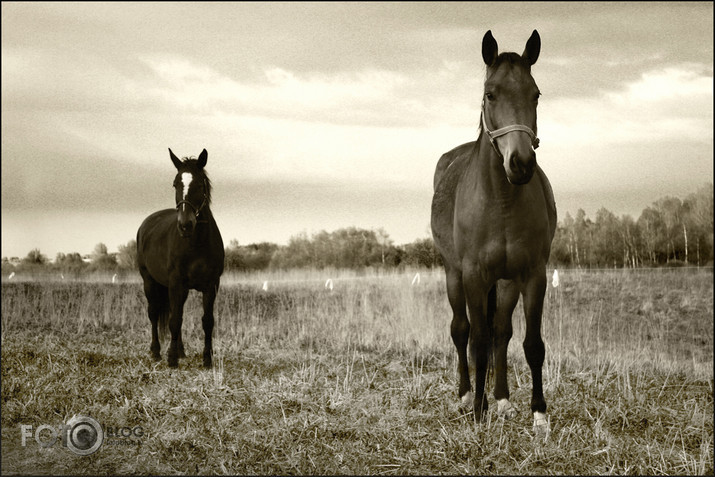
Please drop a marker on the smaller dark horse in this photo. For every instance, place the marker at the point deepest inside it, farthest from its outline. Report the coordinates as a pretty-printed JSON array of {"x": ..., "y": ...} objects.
[
  {"x": 177, "y": 250},
  {"x": 493, "y": 220}
]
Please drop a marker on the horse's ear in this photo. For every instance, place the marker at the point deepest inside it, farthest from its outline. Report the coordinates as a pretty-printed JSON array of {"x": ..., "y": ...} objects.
[
  {"x": 489, "y": 48},
  {"x": 203, "y": 157},
  {"x": 175, "y": 160},
  {"x": 533, "y": 47}
]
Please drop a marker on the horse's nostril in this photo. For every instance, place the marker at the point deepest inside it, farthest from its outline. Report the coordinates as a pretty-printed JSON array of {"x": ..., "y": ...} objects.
[
  {"x": 516, "y": 165},
  {"x": 184, "y": 227}
]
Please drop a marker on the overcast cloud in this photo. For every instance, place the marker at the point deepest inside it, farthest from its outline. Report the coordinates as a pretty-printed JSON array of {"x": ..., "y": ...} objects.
[{"x": 319, "y": 116}]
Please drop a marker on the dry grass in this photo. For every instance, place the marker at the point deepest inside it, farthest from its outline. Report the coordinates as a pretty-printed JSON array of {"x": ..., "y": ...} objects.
[{"x": 361, "y": 379}]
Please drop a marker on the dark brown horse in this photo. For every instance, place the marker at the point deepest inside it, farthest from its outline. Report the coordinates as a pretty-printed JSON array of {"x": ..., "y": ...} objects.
[
  {"x": 180, "y": 249},
  {"x": 493, "y": 220}
]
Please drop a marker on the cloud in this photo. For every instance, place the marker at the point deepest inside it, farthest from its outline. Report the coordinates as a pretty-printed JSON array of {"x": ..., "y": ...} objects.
[
  {"x": 275, "y": 90},
  {"x": 377, "y": 97},
  {"x": 671, "y": 103},
  {"x": 687, "y": 82}
]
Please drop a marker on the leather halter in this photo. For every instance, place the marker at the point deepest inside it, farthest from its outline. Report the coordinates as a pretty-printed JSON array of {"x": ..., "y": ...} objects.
[
  {"x": 492, "y": 135},
  {"x": 198, "y": 210}
]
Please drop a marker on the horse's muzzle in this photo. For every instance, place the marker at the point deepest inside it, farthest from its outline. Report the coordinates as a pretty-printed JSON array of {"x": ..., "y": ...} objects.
[
  {"x": 186, "y": 226},
  {"x": 519, "y": 170}
]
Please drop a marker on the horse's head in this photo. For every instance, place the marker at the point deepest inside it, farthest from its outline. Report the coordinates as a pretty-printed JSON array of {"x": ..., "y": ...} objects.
[
  {"x": 509, "y": 106},
  {"x": 193, "y": 191}
]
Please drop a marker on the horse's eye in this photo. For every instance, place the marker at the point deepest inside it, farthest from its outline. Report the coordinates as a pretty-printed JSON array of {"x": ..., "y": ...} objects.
[{"x": 490, "y": 96}]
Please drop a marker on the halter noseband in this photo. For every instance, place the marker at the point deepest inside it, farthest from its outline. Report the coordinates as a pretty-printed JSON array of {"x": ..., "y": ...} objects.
[{"x": 505, "y": 130}]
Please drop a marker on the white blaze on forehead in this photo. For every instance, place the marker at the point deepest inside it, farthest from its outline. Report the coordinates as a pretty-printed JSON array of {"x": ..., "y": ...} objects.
[{"x": 186, "y": 179}]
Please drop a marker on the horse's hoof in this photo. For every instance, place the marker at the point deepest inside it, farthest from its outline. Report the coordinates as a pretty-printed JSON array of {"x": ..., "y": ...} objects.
[
  {"x": 173, "y": 362},
  {"x": 506, "y": 408},
  {"x": 182, "y": 354},
  {"x": 465, "y": 406},
  {"x": 155, "y": 356},
  {"x": 541, "y": 424}
]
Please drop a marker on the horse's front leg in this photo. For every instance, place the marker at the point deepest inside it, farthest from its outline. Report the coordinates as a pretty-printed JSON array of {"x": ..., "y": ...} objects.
[
  {"x": 177, "y": 298},
  {"x": 476, "y": 291},
  {"x": 207, "y": 321},
  {"x": 534, "y": 350},
  {"x": 459, "y": 329},
  {"x": 507, "y": 298}
]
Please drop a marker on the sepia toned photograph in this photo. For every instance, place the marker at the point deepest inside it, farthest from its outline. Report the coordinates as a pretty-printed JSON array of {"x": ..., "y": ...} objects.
[{"x": 357, "y": 238}]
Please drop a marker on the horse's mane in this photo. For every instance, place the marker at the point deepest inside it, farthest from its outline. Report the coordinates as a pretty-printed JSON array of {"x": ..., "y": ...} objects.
[
  {"x": 192, "y": 164},
  {"x": 511, "y": 57}
]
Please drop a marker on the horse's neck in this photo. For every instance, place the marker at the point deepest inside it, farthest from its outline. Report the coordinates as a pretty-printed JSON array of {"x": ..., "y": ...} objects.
[
  {"x": 205, "y": 215},
  {"x": 489, "y": 169}
]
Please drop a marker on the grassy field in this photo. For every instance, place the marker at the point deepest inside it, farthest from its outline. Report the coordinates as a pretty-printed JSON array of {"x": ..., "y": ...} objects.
[{"x": 360, "y": 379}]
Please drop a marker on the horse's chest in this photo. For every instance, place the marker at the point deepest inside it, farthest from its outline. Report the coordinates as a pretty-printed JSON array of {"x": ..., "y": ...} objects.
[
  {"x": 196, "y": 272},
  {"x": 501, "y": 242},
  {"x": 505, "y": 253}
]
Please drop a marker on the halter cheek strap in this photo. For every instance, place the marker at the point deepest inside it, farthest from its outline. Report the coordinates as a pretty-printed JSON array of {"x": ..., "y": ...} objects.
[{"x": 507, "y": 129}]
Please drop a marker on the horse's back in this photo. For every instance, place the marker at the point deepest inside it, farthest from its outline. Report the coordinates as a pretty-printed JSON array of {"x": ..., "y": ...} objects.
[
  {"x": 153, "y": 228},
  {"x": 152, "y": 238},
  {"x": 550, "y": 203},
  {"x": 448, "y": 172}
]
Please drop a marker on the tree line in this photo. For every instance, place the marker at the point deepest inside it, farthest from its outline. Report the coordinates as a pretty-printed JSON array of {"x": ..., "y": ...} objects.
[{"x": 670, "y": 232}]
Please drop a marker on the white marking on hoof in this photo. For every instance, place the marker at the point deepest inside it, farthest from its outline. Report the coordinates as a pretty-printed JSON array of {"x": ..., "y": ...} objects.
[
  {"x": 541, "y": 423},
  {"x": 467, "y": 404},
  {"x": 506, "y": 409}
]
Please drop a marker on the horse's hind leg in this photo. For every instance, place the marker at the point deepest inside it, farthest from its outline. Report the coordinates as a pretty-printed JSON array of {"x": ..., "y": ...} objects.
[
  {"x": 158, "y": 304},
  {"x": 507, "y": 298},
  {"x": 533, "y": 344},
  {"x": 460, "y": 335},
  {"x": 207, "y": 322}
]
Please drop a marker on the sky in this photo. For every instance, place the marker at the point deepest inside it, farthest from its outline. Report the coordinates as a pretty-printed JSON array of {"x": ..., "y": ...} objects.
[{"x": 318, "y": 116}]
